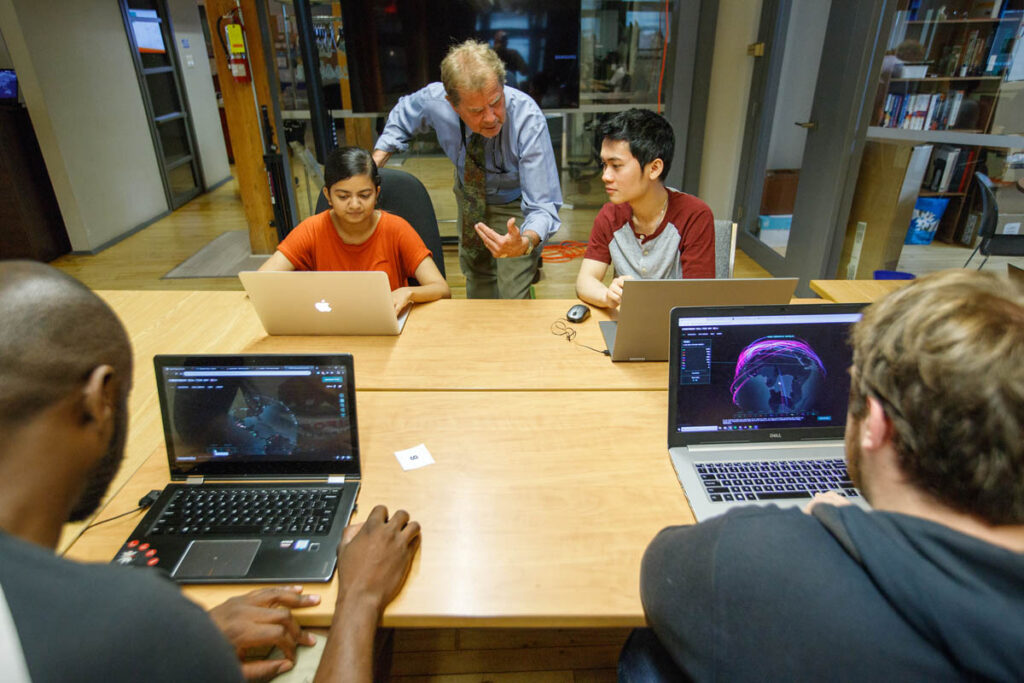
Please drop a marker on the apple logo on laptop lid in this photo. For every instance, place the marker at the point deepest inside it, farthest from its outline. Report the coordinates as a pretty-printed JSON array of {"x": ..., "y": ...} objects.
[{"x": 323, "y": 306}]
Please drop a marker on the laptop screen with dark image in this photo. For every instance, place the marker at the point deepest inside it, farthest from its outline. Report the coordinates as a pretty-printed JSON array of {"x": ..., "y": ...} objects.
[
  {"x": 747, "y": 376},
  {"x": 259, "y": 415}
]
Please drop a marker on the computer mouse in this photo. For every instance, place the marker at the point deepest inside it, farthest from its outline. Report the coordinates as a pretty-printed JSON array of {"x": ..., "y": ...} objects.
[{"x": 577, "y": 313}]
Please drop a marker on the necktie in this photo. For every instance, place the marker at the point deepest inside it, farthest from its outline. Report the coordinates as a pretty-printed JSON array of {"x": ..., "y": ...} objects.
[{"x": 474, "y": 193}]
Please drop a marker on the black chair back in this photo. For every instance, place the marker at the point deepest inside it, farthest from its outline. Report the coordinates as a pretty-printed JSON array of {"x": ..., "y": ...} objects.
[
  {"x": 989, "y": 208},
  {"x": 990, "y": 243},
  {"x": 403, "y": 194}
]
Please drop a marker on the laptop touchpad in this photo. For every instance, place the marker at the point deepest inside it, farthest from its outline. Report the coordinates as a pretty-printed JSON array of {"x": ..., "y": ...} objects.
[{"x": 216, "y": 559}]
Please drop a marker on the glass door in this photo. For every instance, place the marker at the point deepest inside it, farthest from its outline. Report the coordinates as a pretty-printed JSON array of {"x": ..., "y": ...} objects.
[
  {"x": 807, "y": 117},
  {"x": 152, "y": 44}
]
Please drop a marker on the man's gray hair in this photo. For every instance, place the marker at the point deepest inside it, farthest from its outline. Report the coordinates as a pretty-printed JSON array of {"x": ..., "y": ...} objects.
[{"x": 470, "y": 67}]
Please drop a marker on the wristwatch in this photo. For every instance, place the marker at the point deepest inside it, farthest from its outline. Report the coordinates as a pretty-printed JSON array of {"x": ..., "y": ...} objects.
[{"x": 530, "y": 245}]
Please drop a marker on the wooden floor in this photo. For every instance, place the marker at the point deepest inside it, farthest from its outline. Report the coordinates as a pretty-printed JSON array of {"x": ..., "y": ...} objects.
[{"x": 462, "y": 655}]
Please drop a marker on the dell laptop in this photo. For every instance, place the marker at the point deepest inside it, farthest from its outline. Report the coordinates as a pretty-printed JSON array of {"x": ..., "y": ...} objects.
[
  {"x": 324, "y": 302},
  {"x": 264, "y": 460},
  {"x": 641, "y": 332},
  {"x": 757, "y": 403}
]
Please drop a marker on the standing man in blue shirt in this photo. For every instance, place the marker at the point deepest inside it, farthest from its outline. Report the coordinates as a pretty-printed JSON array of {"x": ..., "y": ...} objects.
[{"x": 504, "y": 167}]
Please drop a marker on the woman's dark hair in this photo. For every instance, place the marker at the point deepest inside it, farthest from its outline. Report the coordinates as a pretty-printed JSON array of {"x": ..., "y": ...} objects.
[{"x": 345, "y": 162}]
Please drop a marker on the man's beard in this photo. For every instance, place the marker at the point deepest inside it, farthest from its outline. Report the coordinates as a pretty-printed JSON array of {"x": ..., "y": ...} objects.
[{"x": 99, "y": 479}]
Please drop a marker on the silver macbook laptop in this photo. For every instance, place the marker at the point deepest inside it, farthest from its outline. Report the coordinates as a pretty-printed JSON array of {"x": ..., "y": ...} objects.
[
  {"x": 757, "y": 403},
  {"x": 323, "y": 302},
  {"x": 265, "y": 453},
  {"x": 641, "y": 332}
]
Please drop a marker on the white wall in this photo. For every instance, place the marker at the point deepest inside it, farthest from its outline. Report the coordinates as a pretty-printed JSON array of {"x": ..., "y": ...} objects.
[
  {"x": 82, "y": 94},
  {"x": 198, "y": 83},
  {"x": 79, "y": 83},
  {"x": 805, "y": 39},
  {"x": 731, "y": 71}
]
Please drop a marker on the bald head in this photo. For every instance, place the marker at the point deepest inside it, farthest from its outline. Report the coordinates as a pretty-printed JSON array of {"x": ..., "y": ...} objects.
[{"x": 55, "y": 332}]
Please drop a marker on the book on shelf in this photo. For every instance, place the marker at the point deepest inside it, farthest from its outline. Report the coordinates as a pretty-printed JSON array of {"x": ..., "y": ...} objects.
[
  {"x": 964, "y": 170},
  {"x": 967, "y": 56},
  {"x": 968, "y": 229},
  {"x": 934, "y": 102},
  {"x": 899, "y": 30},
  {"x": 934, "y": 177},
  {"x": 922, "y": 111},
  {"x": 1002, "y": 43},
  {"x": 956, "y": 99},
  {"x": 952, "y": 61},
  {"x": 944, "y": 160}
]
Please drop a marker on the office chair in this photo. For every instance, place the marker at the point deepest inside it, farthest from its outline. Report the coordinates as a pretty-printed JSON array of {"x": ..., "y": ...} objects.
[
  {"x": 725, "y": 249},
  {"x": 644, "y": 659},
  {"x": 403, "y": 194},
  {"x": 992, "y": 244}
]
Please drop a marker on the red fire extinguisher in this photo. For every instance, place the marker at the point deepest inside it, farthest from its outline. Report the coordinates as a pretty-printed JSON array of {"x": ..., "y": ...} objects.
[{"x": 238, "y": 61}]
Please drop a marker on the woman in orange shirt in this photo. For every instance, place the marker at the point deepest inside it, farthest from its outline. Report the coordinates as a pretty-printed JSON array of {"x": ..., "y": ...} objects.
[{"x": 354, "y": 235}]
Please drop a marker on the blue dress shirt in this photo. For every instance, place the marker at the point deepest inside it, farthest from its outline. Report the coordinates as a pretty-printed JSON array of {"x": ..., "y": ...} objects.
[{"x": 519, "y": 161}]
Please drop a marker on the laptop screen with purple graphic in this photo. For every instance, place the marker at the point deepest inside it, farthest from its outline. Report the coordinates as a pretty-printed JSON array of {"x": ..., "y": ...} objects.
[{"x": 760, "y": 373}]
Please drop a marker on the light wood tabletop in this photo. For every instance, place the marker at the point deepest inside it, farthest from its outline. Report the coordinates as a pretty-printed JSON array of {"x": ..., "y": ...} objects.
[
  {"x": 452, "y": 344},
  {"x": 855, "y": 291},
  {"x": 536, "y": 513},
  {"x": 552, "y": 471}
]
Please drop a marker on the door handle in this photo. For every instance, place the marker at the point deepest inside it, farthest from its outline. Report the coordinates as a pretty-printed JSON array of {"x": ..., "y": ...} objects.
[{"x": 809, "y": 125}]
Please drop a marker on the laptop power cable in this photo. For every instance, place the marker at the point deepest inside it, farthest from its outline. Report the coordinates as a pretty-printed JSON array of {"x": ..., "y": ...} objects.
[
  {"x": 562, "y": 328},
  {"x": 144, "y": 504}
]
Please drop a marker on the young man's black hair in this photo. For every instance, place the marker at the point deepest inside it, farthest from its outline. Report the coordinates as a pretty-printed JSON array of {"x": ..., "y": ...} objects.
[{"x": 649, "y": 136}]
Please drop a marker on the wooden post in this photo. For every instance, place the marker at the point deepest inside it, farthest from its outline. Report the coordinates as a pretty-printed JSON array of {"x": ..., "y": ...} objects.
[{"x": 243, "y": 119}]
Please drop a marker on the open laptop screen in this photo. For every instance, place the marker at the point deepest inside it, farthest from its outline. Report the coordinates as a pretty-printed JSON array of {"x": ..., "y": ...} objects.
[
  {"x": 259, "y": 415},
  {"x": 760, "y": 373}
]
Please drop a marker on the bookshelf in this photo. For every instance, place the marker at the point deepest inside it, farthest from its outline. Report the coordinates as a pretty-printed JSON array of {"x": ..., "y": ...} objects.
[{"x": 946, "y": 71}]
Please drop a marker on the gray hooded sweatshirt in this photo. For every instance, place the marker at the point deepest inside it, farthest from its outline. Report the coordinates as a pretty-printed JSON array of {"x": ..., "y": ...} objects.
[{"x": 770, "y": 594}]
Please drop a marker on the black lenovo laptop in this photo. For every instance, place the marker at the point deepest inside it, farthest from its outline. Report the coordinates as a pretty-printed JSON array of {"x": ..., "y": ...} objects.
[{"x": 264, "y": 451}]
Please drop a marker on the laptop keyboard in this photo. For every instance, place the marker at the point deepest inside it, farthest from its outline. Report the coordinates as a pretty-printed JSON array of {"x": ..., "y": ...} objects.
[
  {"x": 210, "y": 510},
  {"x": 773, "y": 480}
]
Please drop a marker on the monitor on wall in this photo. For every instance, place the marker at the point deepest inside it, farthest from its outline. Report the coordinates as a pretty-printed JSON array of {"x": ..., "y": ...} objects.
[{"x": 395, "y": 47}]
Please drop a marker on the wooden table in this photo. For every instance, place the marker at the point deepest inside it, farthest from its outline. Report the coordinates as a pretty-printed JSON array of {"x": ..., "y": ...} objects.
[
  {"x": 552, "y": 471},
  {"x": 536, "y": 513},
  {"x": 454, "y": 344},
  {"x": 855, "y": 291},
  {"x": 551, "y": 475}
]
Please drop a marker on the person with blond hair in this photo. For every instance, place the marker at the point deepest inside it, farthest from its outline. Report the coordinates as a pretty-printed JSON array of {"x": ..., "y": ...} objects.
[
  {"x": 505, "y": 167},
  {"x": 929, "y": 584}
]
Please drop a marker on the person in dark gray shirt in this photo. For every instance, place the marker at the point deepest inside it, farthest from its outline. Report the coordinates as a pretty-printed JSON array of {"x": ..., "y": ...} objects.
[
  {"x": 929, "y": 585},
  {"x": 65, "y": 375}
]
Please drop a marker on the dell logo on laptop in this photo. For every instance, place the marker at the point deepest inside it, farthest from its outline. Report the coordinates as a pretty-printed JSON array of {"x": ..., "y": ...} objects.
[
  {"x": 323, "y": 306},
  {"x": 774, "y": 435}
]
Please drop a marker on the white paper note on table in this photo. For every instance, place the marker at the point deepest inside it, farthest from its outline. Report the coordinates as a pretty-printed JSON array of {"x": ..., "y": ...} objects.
[{"x": 415, "y": 457}]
